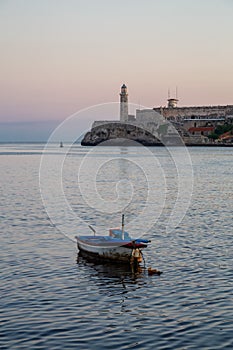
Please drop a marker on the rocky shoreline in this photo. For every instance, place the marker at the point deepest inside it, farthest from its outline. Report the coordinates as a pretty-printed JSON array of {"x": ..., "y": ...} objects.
[{"x": 120, "y": 134}]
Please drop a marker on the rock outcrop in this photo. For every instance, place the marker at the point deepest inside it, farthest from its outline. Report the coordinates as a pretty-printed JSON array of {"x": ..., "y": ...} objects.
[{"x": 118, "y": 133}]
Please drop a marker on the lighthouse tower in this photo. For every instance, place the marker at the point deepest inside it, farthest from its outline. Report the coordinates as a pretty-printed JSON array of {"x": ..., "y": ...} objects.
[{"x": 123, "y": 104}]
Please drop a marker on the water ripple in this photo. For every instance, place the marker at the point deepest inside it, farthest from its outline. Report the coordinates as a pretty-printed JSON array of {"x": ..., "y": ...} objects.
[{"x": 51, "y": 298}]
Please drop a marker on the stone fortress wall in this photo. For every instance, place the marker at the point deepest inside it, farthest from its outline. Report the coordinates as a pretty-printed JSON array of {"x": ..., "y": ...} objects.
[
  {"x": 193, "y": 123},
  {"x": 196, "y": 111}
]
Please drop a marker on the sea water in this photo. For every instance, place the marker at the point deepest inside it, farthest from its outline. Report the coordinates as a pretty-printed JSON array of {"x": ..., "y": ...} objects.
[{"x": 51, "y": 298}]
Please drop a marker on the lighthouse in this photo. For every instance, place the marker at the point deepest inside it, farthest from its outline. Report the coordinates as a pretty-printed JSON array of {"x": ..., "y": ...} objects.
[{"x": 124, "y": 104}]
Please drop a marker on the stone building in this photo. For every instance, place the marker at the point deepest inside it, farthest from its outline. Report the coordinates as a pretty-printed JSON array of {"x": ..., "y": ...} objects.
[
  {"x": 196, "y": 120},
  {"x": 191, "y": 124}
]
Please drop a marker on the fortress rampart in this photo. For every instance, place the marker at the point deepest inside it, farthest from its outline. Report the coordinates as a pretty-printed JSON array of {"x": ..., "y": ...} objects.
[
  {"x": 194, "y": 125},
  {"x": 195, "y": 111}
]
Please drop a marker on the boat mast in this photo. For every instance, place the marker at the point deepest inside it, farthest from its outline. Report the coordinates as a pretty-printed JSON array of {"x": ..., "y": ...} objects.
[
  {"x": 122, "y": 226},
  {"x": 93, "y": 230}
]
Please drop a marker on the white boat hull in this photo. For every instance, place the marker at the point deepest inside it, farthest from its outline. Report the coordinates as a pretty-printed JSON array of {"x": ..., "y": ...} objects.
[{"x": 110, "y": 252}]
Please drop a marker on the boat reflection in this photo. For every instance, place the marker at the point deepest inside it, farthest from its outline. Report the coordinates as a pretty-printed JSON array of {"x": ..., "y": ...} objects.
[{"x": 112, "y": 272}]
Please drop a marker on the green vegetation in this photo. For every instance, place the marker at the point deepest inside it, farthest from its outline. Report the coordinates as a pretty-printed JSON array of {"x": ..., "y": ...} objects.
[{"x": 221, "y": 129}]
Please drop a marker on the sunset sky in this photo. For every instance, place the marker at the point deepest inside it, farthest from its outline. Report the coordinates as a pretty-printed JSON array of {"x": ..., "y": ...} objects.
[{"x": 59, "y": 56}]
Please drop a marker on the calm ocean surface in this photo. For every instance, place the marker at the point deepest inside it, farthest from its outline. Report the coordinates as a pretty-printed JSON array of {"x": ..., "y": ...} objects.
[{"x": 53, "y": 299}]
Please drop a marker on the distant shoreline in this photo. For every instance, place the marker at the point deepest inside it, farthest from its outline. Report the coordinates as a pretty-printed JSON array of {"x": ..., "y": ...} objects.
[
  {"x": 115, "y": 144},
  {"x": 161, "y": 145}
]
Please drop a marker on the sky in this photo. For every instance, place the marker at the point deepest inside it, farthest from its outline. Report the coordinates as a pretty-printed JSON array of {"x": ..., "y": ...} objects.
[{"x": 60, "y": 56}]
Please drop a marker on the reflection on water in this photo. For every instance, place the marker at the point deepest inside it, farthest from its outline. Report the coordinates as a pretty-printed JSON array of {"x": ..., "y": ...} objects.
[
  {"x": 113, "y": 280},
  {"x": 111, "y": 272}
]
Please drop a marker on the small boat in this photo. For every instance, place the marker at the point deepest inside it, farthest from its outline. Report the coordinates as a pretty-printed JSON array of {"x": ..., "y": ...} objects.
[{"x": 117, "y": 246}]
